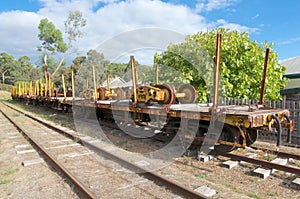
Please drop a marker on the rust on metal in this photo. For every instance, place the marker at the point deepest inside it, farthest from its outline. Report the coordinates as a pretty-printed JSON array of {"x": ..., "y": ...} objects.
[
  {"x": 263, "y": 84},
  {"x": 155, "y": 177},
  {"x": 217, "y": 71},
  {"x": 133, "y": 80},
  {"x": 82, "y": 191},
  {"x": 262, "y": 163}
]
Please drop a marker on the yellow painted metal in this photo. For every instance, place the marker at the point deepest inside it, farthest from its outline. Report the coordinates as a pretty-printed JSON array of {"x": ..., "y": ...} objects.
[
  {"x": 50, "y": 88},
  {"x": 41, "y": 87},
  {"x": 73, "y": 85},
  {"x": 95, "y": 83},
  {"x": 87, "y": 83},
  {"x": 46, "y": 86},
  {"x": 30, "y": 88},
  {"x": 64, "y": 86}
]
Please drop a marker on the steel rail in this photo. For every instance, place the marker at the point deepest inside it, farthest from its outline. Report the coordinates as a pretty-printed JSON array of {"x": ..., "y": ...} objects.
[
  {"x": 262, "y": 163},
  {"x": 279, "y": 153},
  {"x": 155, "y": 177},
  {"x": 81, "y": 190}
]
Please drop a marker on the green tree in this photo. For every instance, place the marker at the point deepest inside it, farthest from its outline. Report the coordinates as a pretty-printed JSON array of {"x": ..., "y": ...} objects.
[
  {"x": 6, "y": 65},
  {"x": 85, "y": 71},
  {"x": 52, "y": 40},
  {"x": 51, "y": 37},
  {"x": 241, "y": 64},
  {"x": 21, "y": 70}
]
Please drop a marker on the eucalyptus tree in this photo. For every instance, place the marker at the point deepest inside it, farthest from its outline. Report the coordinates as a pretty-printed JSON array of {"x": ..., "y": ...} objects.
[{"x": 52, "y": 39}]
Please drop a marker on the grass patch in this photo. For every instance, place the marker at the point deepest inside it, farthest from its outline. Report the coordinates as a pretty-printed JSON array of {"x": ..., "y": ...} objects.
[
  {"x": 233, "y": 188},
  {"x": 16, "y": 115},
  {"x": 253, "y": 195},
  {"x": 122, "y": 142},
  {"x": 269, "y": 157},
  {"x": 200, "y": 176},
  {"x": 297, "y": 163},
  {"x": 12, "y": 170},
  {"x": 5, "y": 181}
]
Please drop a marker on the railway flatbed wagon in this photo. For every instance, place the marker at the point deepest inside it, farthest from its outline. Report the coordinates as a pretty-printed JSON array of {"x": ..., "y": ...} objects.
[{"x": 166, "y": 109}]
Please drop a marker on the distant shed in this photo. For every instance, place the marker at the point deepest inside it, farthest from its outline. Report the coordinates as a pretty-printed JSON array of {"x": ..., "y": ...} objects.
[{"x": 292, "y": 91}]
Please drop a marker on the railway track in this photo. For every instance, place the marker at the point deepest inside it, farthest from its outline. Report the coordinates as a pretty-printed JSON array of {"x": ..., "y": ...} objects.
[
  {"x": 264, "y": 163},
  {"x": 81, "y": 188}
]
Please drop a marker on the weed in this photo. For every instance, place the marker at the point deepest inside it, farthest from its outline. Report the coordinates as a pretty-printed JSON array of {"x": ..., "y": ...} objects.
[
  {"x": 269, "y": 157},
  {"x": 12, "y": 170},
  {"x": 253, "y": 195},
  {"x": 200, "y": 175},
  {"x": 5, "y": 181},
  {"x": 122, "y": 142},
  {"x": 297, "y": 164},
  {"x": 16, "y": 115},
  {"x": 233, "y": 188}
]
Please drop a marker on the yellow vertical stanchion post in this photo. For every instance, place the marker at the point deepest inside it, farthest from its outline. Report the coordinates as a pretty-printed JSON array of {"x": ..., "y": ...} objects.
[
  {"x": 49, "y": 86},
  {"x": 46, "y": 87},
  {"x": 95, "y": 83},
  {"x": 41, "y": 87},
  {"x": 37, "y": 88},
  {"x": 20, "y": 92},
  {"x": 64, "y": 86},
  {"x": 73, "y": 86},
  {"x": 30, "y": 88},
  {"x": 87, "y": 83},
  {"x": 52, "y": 88}
]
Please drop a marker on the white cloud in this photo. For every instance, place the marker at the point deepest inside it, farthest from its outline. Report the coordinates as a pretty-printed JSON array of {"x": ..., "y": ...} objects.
[
  {"x": 209, "y": 5},
  {"x": 113, "y": 18},
  {"x": 225, "y": 24},
  {"x": 19, "y": 33},
  {"x": 289, "y": 41}
]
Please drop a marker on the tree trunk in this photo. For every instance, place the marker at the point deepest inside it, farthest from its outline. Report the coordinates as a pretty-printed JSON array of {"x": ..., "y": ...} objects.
[{"x": 3, "y": 77}]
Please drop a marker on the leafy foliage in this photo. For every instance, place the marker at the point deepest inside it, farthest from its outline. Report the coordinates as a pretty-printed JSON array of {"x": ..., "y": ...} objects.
[
  {"x": 242, "y": 63},
  {"x": 51, "y": 37},
  {"x": 13, "y": 70}
]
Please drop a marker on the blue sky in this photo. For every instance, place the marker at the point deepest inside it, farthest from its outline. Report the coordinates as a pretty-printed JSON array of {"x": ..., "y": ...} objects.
[{"x": 265, "y": 20}]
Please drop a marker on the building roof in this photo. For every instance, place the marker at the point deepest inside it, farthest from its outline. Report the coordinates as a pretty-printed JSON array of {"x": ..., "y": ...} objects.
[
  {"x": 115, "y": 83},
  {"x": 292, "y": 65}
]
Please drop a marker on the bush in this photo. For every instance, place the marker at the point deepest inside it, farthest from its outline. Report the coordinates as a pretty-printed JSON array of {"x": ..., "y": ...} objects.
[{"x": 5, "y": 87}]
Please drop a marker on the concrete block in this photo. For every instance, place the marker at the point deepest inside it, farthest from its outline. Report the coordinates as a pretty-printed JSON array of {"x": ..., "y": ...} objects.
[
  {"x": 142, "y": 163},
  {"x": 206, "y": 191},
  {"x": 204, "y": 157},
  {"x": 262, "y": 173},
  {"x": 230, "y": 164},
  {"x": 14, "y": 137},
  {"x": 59, "y": 141},
  {"x": 32, "y": 162},
  {"x": 296, "y": 183},
  {"x": 73, "y": 155},
  {"x": 278, "y": 161},
  {"x": 26, "y": 151},
  {"x": 22, "y": 146},
  {"x": 63, "y": 146}
]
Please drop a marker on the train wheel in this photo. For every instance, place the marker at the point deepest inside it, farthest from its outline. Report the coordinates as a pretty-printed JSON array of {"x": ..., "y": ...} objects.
[
  {"x": 120, "y": 94},
  {"x": 169, "y": 94},
  {"x": 251, "y": 136},
  {"x": 229, "y": 134},
  {"x": 190, "y": 94},
  {"x": 101, "y": 93}
]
